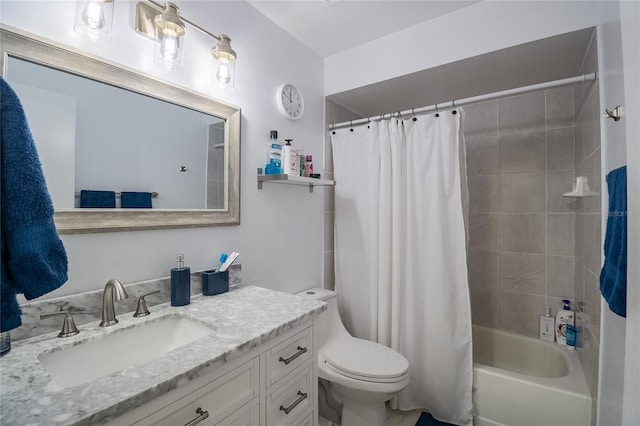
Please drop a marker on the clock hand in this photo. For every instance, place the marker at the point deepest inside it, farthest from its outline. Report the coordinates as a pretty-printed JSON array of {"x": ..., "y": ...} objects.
[{"x": 290, "y": 100}]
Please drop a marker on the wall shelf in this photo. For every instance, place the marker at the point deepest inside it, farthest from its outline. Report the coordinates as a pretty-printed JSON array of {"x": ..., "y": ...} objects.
[{"x": 293, "y": 180}]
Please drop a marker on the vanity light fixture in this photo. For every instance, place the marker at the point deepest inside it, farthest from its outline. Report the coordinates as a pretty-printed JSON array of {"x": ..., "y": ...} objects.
[
  {"x": 93, "y": 19},
  {"x": 166, "y": 26}
]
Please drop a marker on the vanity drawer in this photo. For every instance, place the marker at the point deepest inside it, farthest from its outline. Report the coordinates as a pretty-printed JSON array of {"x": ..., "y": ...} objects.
[
  {"x": 246, "y": 416},
  {"x": 306, "y": 420},
  {"x": 292, "y": 399},
  {"x": 289, "y": 355},
  {"x": 219, "y": 398}
]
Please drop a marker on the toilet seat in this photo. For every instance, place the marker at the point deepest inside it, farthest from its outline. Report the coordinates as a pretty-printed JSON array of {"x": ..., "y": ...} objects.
[{"x": 365, "y": 360}]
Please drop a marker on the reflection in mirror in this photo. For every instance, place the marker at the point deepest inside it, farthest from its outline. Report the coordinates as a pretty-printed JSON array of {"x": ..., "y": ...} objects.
[
  {"x": 111, "y": 139},
  {"x": 101, "y": 127}
]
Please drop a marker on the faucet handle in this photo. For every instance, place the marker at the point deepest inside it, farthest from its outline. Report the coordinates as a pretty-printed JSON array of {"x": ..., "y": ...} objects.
[
  {"x": 68, "y": 326},
  {"x": 141, "y": 309}
]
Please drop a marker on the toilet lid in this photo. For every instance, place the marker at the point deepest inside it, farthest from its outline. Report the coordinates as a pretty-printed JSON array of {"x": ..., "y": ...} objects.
[{"x": 363, "y": 359}]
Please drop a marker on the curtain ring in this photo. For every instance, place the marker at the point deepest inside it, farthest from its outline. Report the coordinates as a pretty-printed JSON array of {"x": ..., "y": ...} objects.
[
  {"x": 437, "y": 111},
  {"x": 414, "y": 114},
  {"x": 453, "y": 102},
  {"x": 351, "y": 125}
]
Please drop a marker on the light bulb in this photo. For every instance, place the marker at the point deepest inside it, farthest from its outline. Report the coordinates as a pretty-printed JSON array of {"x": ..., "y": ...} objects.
[
  {"x": 169, "y": 48},
  {"x": 93, "y": 15},
  {"x": 223, "y": 76}
]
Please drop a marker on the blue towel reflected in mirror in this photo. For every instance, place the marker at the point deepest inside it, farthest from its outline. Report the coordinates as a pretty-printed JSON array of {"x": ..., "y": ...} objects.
[
  {"x": 97, "y": 199},
  {"x": 135, "y": 200}
]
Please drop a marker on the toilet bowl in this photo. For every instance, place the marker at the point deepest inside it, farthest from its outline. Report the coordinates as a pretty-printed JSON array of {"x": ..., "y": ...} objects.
[{"x": 364, "y": 374}]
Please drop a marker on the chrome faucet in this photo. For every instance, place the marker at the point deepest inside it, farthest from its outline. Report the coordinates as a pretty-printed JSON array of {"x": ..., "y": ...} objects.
[{"x": 112, "y": 290}]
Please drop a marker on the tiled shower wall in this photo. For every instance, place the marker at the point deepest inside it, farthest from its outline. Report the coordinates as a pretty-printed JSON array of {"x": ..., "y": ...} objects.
[
  {"x": 215, "y": 167},
  {"x": 588, "y": 228},
  {"x": 334, "y": 113},
  {"x": 520, "y": 160}
]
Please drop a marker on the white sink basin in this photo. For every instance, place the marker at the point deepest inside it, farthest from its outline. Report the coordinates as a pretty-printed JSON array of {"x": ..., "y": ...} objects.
[{"x": 91, "y": 360}]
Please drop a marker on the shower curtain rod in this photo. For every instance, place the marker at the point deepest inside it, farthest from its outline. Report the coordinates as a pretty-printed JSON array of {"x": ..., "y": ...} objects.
[{"x": 460, "y": 102}]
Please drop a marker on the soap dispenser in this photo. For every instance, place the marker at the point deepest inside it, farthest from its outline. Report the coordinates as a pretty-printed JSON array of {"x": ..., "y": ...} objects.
[{"x": 180, "y": 283}]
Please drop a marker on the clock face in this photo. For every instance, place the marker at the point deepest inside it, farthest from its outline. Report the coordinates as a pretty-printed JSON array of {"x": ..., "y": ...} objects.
[{"x": 290, "y": 102}]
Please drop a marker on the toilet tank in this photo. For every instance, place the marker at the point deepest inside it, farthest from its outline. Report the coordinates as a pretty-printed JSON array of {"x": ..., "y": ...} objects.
[{"x": 329, "y": 326}]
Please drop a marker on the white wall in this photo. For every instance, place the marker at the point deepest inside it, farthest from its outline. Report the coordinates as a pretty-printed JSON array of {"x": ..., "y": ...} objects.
[
  {"x": 630, "y": 29},
  {"x": 481, "y": 28},
  {"x": 280, "y": 236},
  {"x": 54, "y": 130}
]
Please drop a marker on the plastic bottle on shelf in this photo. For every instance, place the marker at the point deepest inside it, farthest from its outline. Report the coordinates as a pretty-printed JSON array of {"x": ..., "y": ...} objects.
[
  {"x": 308, "y": 169},
  {"x": 303, "y": 165},
  {"x": 274, "y": 155},
  {"x": 289, "y": 159}
]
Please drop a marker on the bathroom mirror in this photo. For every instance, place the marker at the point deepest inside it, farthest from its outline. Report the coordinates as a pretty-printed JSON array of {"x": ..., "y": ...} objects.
[{"x": 181, "y": 146}]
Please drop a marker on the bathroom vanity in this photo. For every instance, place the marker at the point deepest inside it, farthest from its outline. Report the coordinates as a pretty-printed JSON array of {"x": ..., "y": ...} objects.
[{"x": 245, "y": 357}]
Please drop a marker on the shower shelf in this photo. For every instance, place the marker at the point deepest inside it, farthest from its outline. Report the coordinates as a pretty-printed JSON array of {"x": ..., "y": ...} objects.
[{"x": 293, "y": 180}]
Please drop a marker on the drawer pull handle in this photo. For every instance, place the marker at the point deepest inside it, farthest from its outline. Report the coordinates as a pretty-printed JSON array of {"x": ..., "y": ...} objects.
[
  {"x": 202, "y": 415},
  {"x": 302, "y": 397},
  {"x": 301, "y": 351}
]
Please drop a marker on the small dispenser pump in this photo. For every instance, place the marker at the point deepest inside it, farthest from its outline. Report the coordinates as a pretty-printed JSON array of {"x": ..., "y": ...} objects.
[
  {"x": 547, "y": 326},
  {"x": 180, "y": 283}
]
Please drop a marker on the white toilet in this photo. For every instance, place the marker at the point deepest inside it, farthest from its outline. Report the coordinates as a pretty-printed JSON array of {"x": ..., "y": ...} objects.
[{"x": 364, "y": 374}]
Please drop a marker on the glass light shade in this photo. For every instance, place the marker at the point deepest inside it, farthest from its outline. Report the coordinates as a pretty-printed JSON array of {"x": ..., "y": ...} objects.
[
  {"x": 170, "y": 31},
  {"x": 94, "y": 19},
  {"x": 224, "y": 63},
  {"x": 224, "y": 74},
  {"x": 169, "y": 51}
]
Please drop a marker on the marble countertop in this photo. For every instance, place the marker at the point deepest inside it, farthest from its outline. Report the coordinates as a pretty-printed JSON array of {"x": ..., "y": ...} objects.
[{"x": 243, "y": 318}]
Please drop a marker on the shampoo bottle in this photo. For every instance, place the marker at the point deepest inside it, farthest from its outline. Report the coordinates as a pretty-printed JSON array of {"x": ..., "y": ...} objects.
[
  {"x": 547, "y": 326},
  {"x": 564, "y": 317},
  {"x": 180, "y": 283},
  {"x": 289, "y": 159}
]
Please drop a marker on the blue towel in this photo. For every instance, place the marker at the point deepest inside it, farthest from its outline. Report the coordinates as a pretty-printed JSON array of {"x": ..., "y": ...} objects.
[
  {"x": 427, "y": 419},
  {"x": 34, "y": 261},
  {"x": 97, "y": 199},
  {"x": 613, "y": 278},
  {"x": 135, "y": 200}
]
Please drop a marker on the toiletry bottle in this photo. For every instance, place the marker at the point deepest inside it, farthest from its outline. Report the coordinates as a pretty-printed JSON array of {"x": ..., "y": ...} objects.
[
  {"x": 302, "y": 165},
  {"x": 547, "y": 326},
  {"x": 274, "y": 155},
  {"x": 289, "y": 159},
  {"x": 308, "y": 168},
  {"x": 180, "y": 283},
  {"x": 571, "y": 337},
  {"x": 564, "y": 317}
]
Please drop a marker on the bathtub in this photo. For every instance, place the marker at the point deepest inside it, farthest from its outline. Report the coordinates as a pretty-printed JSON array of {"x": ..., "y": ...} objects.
[{"x": 520, "y": 381}]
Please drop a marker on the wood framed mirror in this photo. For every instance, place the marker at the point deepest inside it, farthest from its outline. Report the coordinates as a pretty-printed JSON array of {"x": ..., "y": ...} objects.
[{"x": 194, "y": 173}]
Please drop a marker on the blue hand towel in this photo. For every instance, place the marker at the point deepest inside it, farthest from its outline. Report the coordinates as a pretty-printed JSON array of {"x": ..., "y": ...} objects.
[
  {"x": 97, "y": 199},
  {"x": 135, "y": 200},
  {"x": 34, "y": 261},
  {"x": 613, "y": 278}
]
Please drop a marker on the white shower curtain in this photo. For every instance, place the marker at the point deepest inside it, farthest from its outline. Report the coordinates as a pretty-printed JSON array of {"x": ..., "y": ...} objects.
[{"x": 400, "y": 253}]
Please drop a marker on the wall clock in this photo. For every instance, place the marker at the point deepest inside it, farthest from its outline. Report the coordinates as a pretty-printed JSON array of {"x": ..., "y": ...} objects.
[{"x": 289, "y": 101}]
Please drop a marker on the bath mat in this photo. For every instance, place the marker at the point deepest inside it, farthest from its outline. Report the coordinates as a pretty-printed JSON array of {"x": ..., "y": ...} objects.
[{"x": 427, "y": 420}]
